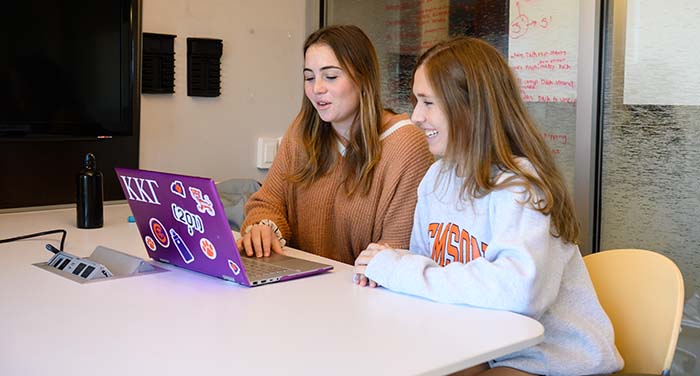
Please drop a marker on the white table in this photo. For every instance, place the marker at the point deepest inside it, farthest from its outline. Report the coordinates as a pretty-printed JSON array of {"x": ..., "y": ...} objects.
[{"x": 185, "y": 323}]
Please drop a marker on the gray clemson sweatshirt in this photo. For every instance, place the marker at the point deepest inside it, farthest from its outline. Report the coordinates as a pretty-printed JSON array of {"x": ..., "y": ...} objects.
[{"x": 497, "y": 252}]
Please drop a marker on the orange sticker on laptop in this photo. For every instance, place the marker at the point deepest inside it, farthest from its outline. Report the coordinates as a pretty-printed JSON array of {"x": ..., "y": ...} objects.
[
  {"x": 159, "y": 232},
  {"x": 234, "y": 267},
  {"x": 207, "y": 248},
  {"x": 177, "y": 188},
  {"x": 150, "y": 243},
  {"x": 204, "y": 204}
]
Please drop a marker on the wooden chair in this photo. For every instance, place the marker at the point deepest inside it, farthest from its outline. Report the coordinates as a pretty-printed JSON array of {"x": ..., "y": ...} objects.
[{"x": 642, "y": 293}]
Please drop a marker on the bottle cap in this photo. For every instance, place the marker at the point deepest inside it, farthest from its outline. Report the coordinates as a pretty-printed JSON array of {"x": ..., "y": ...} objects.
[{"x": 90, "y": 162}]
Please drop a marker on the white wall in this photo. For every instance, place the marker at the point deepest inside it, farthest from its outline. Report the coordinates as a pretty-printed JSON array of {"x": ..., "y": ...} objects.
[{"x": 261, "y": 88}]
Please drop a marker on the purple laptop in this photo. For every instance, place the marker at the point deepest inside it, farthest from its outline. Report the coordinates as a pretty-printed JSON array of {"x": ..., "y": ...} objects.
[{"x": 182, "y": 222}]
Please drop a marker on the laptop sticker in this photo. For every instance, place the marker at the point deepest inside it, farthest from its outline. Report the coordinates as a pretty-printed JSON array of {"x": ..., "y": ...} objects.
[
  {"x": 191, "y": 220},
  {"x": 177, "y": 188},
  {"x": 150, "y": 243},
  {"x": 159, "y": 233},
  {"x": 234, "y": 267},
  {"x": 185, "y": 253},
  {"x": 207, "y": 248},
  {"x": 204, "y": 204},
  {"x": 142, "y": 190}
]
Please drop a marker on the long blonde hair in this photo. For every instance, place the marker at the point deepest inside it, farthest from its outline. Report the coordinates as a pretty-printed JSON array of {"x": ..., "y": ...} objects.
[
  {"x": 490, "y": 126},
  {"x": 357, "y": 57}
]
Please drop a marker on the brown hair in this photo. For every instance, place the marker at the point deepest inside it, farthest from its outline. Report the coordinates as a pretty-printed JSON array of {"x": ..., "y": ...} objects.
[
  {"x": 357, "y": 57},
  {"x": 490, "y": 126}
]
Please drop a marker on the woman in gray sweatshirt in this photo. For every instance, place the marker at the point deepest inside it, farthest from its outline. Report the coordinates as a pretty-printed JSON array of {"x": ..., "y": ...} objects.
[{"x": 494, "y": 225}]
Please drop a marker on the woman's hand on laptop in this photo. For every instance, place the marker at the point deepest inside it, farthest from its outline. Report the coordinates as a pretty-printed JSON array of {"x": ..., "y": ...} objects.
[{"x": 260, "y": 241}]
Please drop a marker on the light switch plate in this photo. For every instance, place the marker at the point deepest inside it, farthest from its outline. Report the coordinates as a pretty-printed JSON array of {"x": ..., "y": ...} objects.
[{"x": 267, "y": 150}]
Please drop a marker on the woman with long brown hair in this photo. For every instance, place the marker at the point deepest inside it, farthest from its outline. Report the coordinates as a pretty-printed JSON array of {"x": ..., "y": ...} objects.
[
  {"x": 347, "y": 169},
  {"x": 494, "y": 226}
]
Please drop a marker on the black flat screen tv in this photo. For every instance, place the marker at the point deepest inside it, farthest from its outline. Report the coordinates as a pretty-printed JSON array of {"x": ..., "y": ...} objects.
[{"x": 67, "y": 69}]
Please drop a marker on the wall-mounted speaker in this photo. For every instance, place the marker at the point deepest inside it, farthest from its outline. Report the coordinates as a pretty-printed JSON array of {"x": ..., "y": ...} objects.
[
  {"x": 158, "y": 64},
  {"x": 204, "y": 67}
]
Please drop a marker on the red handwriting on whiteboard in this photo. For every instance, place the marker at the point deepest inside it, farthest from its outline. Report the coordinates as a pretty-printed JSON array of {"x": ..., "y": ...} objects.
[
  {"x": 556, "y": 138},
  {"x": 522, "y": 23},
  {"x": 553, "y": 99}
]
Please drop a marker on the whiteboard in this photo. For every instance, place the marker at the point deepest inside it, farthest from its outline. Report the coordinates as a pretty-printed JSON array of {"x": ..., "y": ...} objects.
[
  {"x": 543, "y": 48},
  {"x": 661, "y": 52}
]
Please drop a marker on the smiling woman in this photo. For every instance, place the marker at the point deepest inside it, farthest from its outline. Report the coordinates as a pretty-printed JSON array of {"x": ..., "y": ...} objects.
[
  {"x": 347, "y": 171},
  {"x": 494, "y": 225},
  {"x": 427, "y": 114}
]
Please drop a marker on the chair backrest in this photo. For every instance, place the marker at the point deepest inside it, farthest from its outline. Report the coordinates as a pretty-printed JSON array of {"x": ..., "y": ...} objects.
[
  {"x": 234, "y": 193},
  {"x": 642, "y": 293}
]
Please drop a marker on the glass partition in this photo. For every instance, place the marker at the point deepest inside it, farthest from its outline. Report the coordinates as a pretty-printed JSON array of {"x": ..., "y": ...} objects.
[{"x": 651, "y": 132}]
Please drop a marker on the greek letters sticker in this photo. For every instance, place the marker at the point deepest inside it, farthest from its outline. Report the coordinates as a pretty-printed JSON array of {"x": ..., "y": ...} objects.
[
  {"x": 185, "y": 253},
  {"x": 191, "y": 220},
  {"x": 150, "y": 243},
  {"x": 177, "y": 188},
  {"x": 141, "y": 190},
  {"x": 159, "y": 233},
  {"x": 204, "y": 204},
  {"x": 207, "y": 248},
  {"x": 234, "y": 267}
]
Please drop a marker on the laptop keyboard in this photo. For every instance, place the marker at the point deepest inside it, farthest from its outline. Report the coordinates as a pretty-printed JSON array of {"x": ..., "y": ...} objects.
[{"x": 259, "y": 268}]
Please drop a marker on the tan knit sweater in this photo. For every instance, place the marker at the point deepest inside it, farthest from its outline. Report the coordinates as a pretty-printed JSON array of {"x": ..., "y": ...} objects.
[{"x": 322, "y": 219}]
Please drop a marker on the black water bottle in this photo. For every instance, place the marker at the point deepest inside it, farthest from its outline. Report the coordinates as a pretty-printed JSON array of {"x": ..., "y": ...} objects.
[{"x": 89, "y": 197}]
